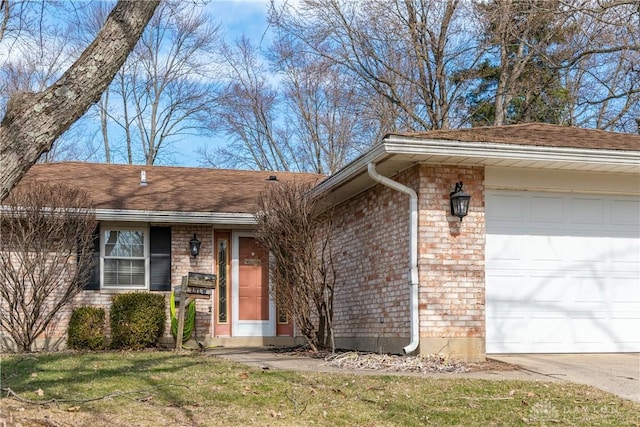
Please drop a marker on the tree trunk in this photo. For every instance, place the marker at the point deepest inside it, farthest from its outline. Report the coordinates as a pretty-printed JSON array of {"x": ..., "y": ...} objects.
[{"x": 33, "y": 121}]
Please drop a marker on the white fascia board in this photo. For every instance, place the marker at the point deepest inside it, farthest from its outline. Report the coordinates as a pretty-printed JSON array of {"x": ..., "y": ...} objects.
[
  {"x": 355, "y": 167},
  {"x": 488, "y": 150},
  {"x": 175, "y": 217},
  {"x": 415, "y": 148}
]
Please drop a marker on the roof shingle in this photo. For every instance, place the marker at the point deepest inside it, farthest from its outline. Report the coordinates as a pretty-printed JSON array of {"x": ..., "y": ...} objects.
[
  {"x": 177, "y": 189},
  {"x": 538, "y": 134}
]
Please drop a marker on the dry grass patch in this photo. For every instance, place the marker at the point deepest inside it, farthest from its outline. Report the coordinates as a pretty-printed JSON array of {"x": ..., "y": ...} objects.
[{"x": 186, "y": 389}]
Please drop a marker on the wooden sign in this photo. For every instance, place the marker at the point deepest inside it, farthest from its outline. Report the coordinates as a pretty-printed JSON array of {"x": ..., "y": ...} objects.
[
  {"x": 193, "y": 286},
  {"x": 193, "y": 292},
  {"x": 201, "y": 280}
]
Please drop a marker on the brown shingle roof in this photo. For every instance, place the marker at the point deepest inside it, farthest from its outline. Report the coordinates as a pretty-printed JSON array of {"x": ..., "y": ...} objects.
[
  {"x": 176, "y": 189},
  {"x": 540, "y": 134}
]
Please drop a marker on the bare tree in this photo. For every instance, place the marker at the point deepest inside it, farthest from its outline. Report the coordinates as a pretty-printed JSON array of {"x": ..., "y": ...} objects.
[
  {"x": 403, "y": 52},
  {"x": 166, "y": 90},
  {"x": 327, "y": 125},
  {"x": 35, "y": 50},
  {"x": 248, "y": 113},
  {"x": 311, "y": 120},
  {"x": 601, "y": 70},
  {"x": 45, "y": 256},
  {"x": 435, "y": 64},
  {"x": 302, "y": 271},
  {"x": 33, "y": 121}
]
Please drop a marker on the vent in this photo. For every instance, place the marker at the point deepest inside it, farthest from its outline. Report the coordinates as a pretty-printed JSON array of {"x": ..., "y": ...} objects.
[{"x": 143, "y": 178}]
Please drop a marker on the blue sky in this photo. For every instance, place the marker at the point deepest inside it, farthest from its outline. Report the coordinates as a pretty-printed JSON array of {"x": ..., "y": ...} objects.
[{"x": 238, "y": 16}]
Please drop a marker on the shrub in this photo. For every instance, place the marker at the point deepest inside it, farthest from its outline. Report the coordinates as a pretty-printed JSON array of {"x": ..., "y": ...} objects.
[
  {"x": 86, "y": 329},
  {"x": 137, "y": 320}
]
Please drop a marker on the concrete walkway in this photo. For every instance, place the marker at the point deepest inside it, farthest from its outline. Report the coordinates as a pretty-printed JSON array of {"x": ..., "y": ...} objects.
[{"x": 615, "y": 373}]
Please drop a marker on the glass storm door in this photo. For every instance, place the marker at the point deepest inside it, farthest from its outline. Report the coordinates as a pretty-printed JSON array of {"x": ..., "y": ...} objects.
[{"x": 253, "y": 310}]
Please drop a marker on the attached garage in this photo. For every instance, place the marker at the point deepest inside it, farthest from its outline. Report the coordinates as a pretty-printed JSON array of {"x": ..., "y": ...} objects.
[{"x": 562, "y": 272}]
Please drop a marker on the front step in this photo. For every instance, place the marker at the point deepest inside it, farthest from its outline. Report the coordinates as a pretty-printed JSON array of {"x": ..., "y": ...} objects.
[{"x": 252, "y": 341}]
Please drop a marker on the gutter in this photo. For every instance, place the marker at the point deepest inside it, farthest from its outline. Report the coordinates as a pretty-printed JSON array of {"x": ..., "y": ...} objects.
[
  {"x": 175, "y": 217},
  {"x": 413, "y": 249},
  {"x": 502, "y": 151}
]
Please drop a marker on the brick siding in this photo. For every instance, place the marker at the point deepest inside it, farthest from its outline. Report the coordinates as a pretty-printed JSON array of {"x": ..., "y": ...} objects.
[
  {"x": 372, "y": 294},
  {"x": 372, "y": 297},
  {"x": 451, "y": 260}
]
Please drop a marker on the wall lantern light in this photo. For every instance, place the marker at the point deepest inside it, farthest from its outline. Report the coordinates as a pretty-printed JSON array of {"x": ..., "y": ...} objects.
[
  {"x": 459, "y": 201},
  {"x": 194, "y": 246}
]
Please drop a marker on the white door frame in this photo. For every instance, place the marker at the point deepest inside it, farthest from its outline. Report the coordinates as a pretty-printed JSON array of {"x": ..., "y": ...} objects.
[{"x": 247, "y": 328}]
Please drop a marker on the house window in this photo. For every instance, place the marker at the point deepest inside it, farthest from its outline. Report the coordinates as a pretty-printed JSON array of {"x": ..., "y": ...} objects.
[{"x": 124, "y": 258}]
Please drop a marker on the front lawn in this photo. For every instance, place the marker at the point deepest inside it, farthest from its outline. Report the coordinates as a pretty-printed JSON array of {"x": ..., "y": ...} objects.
[{"x": 192, "y": 389}]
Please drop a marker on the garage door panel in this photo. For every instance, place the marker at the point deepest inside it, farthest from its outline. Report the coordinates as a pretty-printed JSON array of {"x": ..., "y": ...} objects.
[
  {"x": 587, "y": 249},
  {"x": 509, "y": 209},
  {"x": 625, "y": 213},
  {"x": 507, "y": 332},
  {"x": 547, "y": 329},
  {"x": 544, "y": 290},
  {"x": 624, "y": 253},
  {"x": 546, "y": 248},
  {"x": 624, "y": 290},
  {"x": 589, "y": 291},
  {"x": 504, "y": 250},
  {"x": 588, "y": 211},
  {"x": 620, "y": 325},
  {"x": 546, "y": 210},
  {"x": 567, "y": 277},
  {"x": 506, "y": 291},
  {"x": 601, "y": 332}
]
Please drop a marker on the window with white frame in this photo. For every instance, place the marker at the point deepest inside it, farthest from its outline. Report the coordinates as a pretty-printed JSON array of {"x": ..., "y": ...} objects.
[{"x": 124, "y": 257}]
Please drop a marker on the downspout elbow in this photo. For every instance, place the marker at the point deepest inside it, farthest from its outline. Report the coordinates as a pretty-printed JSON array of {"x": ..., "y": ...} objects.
[{"x": 413, "y": 252}]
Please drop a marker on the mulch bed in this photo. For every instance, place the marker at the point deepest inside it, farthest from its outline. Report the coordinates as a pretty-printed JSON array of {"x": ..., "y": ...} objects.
[{"x": 354, "y": 360}]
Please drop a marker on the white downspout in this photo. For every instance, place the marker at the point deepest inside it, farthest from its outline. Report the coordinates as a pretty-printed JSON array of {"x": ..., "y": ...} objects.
[{"x": 413, "y": 256}]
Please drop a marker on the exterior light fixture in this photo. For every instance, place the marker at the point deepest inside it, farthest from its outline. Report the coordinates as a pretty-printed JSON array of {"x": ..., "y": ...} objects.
[
  {"x": 194, "y": 246},
  {"x": 459, "y": 201}
]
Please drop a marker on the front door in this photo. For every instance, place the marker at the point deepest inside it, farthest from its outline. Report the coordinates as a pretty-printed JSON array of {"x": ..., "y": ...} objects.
[{"x": 253, "y": 309}]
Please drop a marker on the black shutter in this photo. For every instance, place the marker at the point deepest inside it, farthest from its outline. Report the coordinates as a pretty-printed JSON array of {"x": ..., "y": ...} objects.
[
  {"x": 94, "y": 277},
  {"x": 160, "y": 249}
]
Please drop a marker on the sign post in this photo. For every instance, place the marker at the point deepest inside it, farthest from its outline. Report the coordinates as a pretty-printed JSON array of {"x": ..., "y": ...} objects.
[{"x": 196, "y": 286}]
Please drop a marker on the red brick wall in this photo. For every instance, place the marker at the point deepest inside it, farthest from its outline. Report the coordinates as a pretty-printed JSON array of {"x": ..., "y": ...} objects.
[
  {"x": 182, "y": 263},
  {"x": 372, "y": 294},
  {"x": 451, "y": 261},
  {"x": 372, "y": 301}
]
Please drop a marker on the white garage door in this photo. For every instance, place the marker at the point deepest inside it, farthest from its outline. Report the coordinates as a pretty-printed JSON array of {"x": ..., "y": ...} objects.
[{"x": 562, "y": 273}]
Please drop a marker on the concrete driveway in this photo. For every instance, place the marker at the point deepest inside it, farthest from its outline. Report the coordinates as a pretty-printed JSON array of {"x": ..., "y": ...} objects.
[{"x": 616, "y": 373}]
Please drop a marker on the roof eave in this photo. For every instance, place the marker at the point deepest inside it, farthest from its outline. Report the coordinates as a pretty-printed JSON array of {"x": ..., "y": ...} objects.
[
  {"x": 121, "y": 215},
  {"x": 406, "y": 151},
  {"x": 490, "y": 150}
]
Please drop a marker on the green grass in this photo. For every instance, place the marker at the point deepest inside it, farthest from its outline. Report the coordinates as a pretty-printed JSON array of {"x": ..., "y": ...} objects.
[{"x": 185, "y": 389}]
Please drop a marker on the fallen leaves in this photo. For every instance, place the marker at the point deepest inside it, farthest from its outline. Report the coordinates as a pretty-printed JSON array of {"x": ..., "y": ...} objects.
[
  {"x": 274, "y": 414},
  {"x": 392, "y": 363}
]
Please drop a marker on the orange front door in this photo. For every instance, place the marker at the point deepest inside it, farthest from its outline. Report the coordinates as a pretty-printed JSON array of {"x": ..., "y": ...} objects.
[{"x": 253, "y": 281}]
